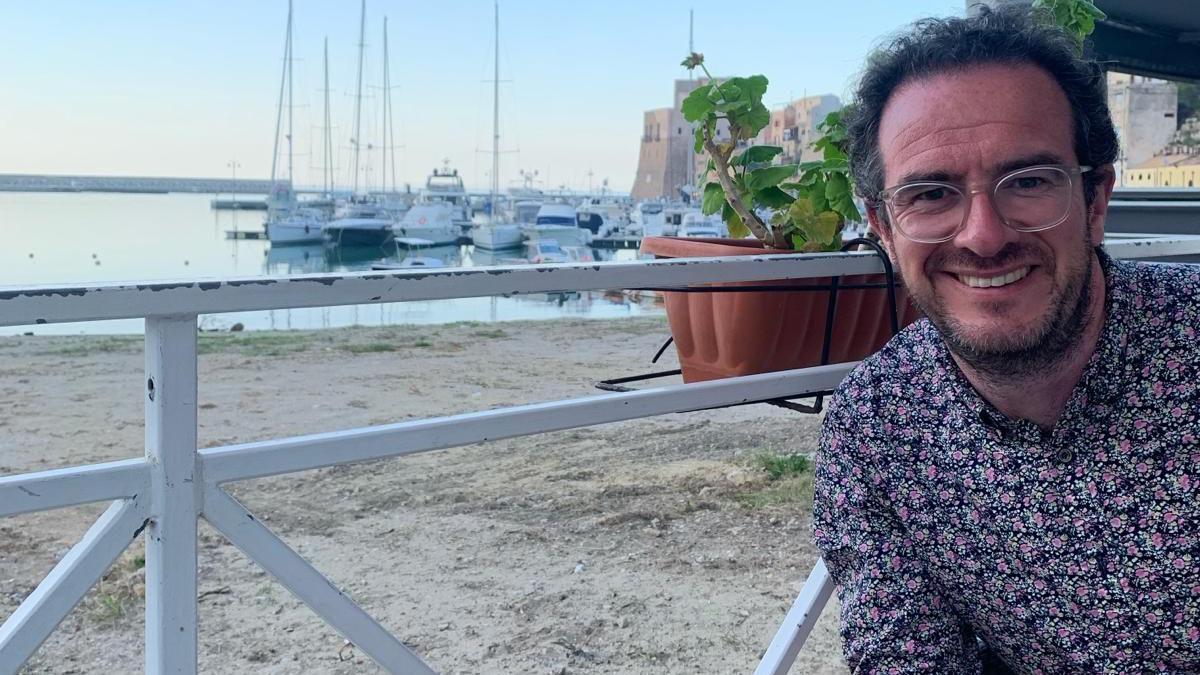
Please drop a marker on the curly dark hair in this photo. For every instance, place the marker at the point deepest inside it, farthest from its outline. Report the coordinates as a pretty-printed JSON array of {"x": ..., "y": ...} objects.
[{"x": 1006, "y": 36}]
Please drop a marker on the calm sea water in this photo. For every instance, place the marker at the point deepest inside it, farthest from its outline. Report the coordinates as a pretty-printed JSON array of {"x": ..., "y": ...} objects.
[{"x": 68, "y": 238}]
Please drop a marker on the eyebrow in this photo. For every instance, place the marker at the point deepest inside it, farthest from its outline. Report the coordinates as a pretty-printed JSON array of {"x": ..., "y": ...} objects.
[{"x": 997, "y": 169}]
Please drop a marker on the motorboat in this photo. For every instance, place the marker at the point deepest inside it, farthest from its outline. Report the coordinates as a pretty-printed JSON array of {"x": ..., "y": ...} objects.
[
  {"x": 540, "y": 251},
  {"x": 603, "y": 218},
  {"x": 433, "y": 221},
  {"x": 297, "y": 226},
  {"x": 558, "y": 222},
  {"x": 579, "y": 254},
  {"x": 497, "y": 237},
  {"x": 648, "y": 219},
  {"x": 360, "y": 222},
  {"x": 525, "y": 211},
  {"x": 696, "y": 224},
  {"x": 446, "y": 186},
  {"x": 405, "y": 246},
  {"x": 673, "y": 215}
]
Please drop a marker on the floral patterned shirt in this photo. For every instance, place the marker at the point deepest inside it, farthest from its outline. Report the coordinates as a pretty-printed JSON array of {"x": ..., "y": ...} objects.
[{"x": 1072, "y": 551}]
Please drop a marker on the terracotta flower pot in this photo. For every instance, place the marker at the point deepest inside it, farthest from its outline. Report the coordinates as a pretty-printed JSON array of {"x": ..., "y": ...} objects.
[{"x": 726, "y": 334}]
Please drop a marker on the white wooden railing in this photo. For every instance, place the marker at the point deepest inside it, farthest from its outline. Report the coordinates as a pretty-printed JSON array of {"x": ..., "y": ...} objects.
[{"x": 164, "y": 493}]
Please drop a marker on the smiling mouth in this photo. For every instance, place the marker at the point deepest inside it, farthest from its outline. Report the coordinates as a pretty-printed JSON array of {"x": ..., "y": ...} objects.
[{"x": 994, "y": 282}]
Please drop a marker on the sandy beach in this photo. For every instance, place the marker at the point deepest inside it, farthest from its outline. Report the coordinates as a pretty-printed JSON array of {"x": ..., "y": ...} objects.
[{"x": 663, "y": 545}]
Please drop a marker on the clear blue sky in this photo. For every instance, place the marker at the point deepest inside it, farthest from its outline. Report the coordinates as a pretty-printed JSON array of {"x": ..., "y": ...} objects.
[{"x": 146, "y": 87}]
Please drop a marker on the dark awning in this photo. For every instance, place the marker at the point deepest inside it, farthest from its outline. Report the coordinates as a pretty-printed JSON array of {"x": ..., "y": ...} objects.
[{"x": 1157, "y": 38}]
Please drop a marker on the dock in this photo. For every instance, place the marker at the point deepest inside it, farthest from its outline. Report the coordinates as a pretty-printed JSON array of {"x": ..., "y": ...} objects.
[
  {"x": 617, "y": 243},
  {"x": 238, "y": 205},
  {"x": 245, "y": 234}
]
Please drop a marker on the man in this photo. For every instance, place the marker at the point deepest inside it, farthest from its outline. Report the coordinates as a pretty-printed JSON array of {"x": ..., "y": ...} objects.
[{"x": 1015, "y": 479}]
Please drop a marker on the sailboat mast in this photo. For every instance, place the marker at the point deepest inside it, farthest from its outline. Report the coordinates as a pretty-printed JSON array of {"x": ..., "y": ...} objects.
[
  {"x": 291, "y": 101},
  {"x": 287, "y": 47},
  {"x": 362, "y": 27},
  {"x": 496, "y": 119},
  {"x": 383, "y": 182},
  {"x": 327, "y": 173}
]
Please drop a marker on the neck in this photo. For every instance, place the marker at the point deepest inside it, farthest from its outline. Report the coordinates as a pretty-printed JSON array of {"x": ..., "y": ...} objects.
[{"x": 1041, "y": 398}]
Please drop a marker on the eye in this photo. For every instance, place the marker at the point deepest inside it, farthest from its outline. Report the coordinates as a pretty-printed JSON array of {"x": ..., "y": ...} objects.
[
  {"x": 1029, "y": 182},
  {"x": 932, "y": 194}
]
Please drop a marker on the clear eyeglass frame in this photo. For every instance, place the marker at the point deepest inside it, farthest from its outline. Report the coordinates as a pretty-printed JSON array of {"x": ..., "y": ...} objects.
[{"x": 886, "y": 196}]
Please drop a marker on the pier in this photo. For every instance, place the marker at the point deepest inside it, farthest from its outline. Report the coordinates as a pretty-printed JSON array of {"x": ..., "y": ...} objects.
[{"x": 132, "y": 184}]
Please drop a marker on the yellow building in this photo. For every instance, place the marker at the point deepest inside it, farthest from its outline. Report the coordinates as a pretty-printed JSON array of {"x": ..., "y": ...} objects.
[{"x": 1174, "y": 168}]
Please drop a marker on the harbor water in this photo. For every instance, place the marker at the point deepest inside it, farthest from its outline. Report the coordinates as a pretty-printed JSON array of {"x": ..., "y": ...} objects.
[{"x": 82, "y": 238}]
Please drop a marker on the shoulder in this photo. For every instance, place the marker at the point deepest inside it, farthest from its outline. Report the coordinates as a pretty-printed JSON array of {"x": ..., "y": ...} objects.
[
  {"x": 1156, "y": 281},
  {"x": 1160, "y": 303}
]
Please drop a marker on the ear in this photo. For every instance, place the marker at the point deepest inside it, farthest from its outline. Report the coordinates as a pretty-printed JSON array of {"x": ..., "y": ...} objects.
[
  {"x": 1099, "y": 211},
  {"x": 877, "y": 221}
]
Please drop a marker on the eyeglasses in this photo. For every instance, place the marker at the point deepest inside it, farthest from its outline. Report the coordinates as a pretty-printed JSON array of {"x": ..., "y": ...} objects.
[{"x": 1032, "y": 199}]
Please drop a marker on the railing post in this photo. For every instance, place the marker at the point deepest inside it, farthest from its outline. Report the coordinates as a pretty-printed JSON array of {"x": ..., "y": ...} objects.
[{"x": 175, "y": 489}]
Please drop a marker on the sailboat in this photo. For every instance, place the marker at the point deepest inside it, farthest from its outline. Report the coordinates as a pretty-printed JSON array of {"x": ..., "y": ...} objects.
[
  {"x": 363, "y": 220},
  {"x": 493, "y": 235},
  {"x": 287, "y": 222}
]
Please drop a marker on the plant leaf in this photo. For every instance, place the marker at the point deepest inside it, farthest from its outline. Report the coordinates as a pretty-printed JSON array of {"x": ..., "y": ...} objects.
[
  {"x": 841, "y": 197},
  {"x": 756, "y": 154},
  {"x": 737, "y": 229},
  {"x": 756, "y": 86},
  {"x": 697, "y": 104},
  {"x": 769, "y": 176},
  {"x": 714, "y": 198},
  {"x": 757, "y": 118},
  {"x": 772, "y": 198}
]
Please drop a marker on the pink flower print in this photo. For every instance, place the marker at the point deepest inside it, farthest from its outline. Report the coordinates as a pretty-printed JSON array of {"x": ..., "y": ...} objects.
[
  {"x": 931, "y": 471},
  {"x": 1185, "y": 482}
]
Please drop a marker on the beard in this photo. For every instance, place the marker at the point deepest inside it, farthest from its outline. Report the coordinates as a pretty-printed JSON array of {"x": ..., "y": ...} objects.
[{"x": 1035, "y": 349}]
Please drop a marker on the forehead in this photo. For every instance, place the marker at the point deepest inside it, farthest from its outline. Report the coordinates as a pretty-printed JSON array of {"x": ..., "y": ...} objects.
[{"x": 969, "y": 123}]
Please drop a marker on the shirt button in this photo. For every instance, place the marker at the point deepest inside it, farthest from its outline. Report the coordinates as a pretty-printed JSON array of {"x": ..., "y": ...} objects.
[{"x": 1064, "y": 456}]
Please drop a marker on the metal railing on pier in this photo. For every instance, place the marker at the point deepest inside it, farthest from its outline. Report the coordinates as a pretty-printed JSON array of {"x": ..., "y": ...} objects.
[{"x": 163, "y": 493}]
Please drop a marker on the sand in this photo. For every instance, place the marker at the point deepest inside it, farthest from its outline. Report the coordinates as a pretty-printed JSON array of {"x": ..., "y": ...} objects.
[{"x": 652, "y": 546}]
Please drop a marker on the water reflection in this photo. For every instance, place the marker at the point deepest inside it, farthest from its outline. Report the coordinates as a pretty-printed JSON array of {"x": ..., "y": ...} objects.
[{"x": 81, "y": 238}]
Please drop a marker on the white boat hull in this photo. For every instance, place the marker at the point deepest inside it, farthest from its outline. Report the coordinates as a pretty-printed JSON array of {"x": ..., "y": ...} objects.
[
  {"x": 497, "y": 237},
  {"x": 358, "y": 231},
  {"x": 284, "y": 232},
  {"x": 436, "y": 233}
]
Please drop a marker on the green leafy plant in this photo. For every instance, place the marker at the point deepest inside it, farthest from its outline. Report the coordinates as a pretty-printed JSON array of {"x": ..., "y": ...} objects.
[
  {"x": 1077, "y": 17},
  {"x": 808, "y": 203}
]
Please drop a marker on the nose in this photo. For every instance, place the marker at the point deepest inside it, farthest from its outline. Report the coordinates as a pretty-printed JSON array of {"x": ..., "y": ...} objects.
[{"x": 984, "y": 233}]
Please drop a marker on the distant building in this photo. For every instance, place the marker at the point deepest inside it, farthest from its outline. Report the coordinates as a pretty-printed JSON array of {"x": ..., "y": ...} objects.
[
  {"x": 1143, "y": 110},
  {"x": 1176, "y": 167},
  {"x": 668, "y": 142},
  {"x": 794, "y": 127},
  {"x": 666, "y": 149}
]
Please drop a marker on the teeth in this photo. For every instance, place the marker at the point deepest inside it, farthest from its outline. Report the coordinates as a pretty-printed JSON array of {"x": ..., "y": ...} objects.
[{"x": 993, "y": 282}]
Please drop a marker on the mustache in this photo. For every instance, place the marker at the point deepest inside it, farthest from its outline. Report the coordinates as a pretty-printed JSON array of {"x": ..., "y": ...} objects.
[{"x": 963, "y": 259}]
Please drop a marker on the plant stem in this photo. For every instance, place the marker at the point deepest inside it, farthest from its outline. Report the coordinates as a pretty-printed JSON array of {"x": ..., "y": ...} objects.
[{"x": 752, "y": 221}]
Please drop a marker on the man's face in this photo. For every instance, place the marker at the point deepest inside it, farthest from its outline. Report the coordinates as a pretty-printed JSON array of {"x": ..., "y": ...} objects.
[{"x": 969, "y": 128}]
